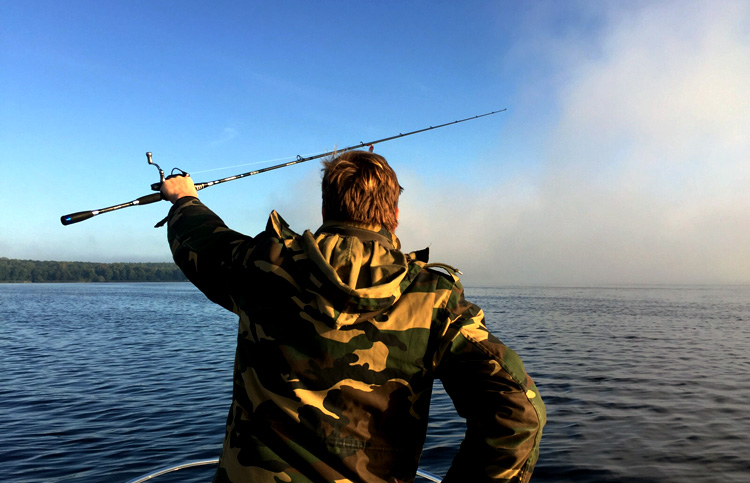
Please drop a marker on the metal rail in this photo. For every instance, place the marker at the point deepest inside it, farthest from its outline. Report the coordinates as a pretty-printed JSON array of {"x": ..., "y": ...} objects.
[{"x": 169, "y": 469}]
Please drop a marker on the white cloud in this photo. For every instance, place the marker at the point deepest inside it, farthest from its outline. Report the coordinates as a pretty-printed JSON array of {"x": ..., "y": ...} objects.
[
  {"x": 646, "y": 170},
  {"x": 227, "y": 134}
]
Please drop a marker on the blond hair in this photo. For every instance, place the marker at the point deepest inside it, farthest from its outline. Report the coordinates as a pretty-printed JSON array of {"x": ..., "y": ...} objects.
[{"x": 360, "y": 186}]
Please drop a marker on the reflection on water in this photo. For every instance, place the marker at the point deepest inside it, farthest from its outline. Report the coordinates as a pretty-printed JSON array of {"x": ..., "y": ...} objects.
[{"x": 109, "y": 381}]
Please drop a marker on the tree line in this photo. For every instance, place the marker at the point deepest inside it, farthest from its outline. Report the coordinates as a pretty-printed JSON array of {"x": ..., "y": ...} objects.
[{"x": 48, "y": 271}]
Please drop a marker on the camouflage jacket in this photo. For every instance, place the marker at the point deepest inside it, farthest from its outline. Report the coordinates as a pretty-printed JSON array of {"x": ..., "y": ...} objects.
[{"x": 341, "y": 336}]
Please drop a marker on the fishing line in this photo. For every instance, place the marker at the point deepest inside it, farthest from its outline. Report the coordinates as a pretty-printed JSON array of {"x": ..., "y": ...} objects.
[
  {"x": 243, "y": 165},
  {"x": 154, "y": 197}
]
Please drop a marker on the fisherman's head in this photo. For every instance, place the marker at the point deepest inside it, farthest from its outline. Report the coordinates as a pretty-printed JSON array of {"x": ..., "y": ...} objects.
[{"x": 360, "y": 186}]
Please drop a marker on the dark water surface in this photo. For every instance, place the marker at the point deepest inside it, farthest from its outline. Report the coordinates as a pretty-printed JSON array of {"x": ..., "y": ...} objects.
[{"x": 104, "y": 382}]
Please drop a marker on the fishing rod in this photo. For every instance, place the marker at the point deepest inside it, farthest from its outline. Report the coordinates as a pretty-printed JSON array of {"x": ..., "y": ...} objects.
[{"x": 154, "y": 197}]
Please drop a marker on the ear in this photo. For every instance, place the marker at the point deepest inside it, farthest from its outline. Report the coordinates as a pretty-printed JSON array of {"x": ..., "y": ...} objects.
[{"x": 323, "y": 213}]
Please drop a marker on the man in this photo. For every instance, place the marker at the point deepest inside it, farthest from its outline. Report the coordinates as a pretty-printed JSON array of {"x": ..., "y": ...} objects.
[{"x": 341, "y": 336}]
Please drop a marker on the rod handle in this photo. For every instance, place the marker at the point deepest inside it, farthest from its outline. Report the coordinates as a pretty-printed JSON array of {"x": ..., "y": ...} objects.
[
  {"x": 85, "y": 215},
  {"x": 76, "y": 217},
  {"x": 146, "y": 199}
]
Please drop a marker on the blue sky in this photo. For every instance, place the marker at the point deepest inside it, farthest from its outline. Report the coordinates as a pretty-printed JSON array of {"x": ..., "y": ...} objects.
[{"x": 623, "y": 156}]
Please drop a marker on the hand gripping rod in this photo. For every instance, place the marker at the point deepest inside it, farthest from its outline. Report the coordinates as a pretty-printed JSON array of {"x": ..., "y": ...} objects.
[{"x": 154, "y": 197}]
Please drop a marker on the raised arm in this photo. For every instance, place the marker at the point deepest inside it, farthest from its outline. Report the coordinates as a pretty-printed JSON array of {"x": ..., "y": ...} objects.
[{"x": 202, "y": 246}]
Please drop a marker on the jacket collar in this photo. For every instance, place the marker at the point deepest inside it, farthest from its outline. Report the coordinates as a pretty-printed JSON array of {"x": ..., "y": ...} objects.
[{"x": 364, "y": 232}]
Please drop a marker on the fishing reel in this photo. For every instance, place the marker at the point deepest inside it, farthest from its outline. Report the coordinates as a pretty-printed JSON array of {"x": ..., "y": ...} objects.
[{"x": 157, "y": 186}]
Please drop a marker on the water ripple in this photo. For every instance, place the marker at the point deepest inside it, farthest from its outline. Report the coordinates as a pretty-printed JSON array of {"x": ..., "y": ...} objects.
[{"x": 103, "y": 382}]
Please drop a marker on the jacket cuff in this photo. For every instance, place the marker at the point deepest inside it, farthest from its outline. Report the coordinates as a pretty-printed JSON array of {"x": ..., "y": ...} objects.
[{"x": 180, "y": 202}]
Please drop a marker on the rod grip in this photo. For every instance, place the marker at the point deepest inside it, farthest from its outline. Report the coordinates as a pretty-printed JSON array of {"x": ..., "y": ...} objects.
[
  {"x": 76, "y": 217},
  {"x": 152, "y": 198}
]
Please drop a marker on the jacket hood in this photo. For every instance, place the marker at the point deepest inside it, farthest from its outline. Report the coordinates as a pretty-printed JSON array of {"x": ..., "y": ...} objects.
[
  {"x": 362, "y": 269},
  {"x": 355, "y": 271}
]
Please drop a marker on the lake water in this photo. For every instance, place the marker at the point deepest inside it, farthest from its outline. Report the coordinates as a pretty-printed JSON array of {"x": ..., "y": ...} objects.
[{"x": 104, "y": 382}]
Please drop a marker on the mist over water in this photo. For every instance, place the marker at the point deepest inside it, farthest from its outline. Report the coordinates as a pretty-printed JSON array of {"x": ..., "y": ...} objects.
[{"x": 104, "y": 382}]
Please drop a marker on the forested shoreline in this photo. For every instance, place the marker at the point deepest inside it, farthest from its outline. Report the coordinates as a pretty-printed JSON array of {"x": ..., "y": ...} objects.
[{"x": 24, "y": 271}]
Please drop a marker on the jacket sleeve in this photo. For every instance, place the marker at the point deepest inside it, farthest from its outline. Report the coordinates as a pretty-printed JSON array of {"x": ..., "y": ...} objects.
[
  {"x": 208, "y": 253},
  {"x": 490, "y": 388}
]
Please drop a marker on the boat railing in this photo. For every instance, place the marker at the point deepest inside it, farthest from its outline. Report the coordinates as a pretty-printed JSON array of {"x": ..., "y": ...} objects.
[{"x": 192, "y": 464}]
